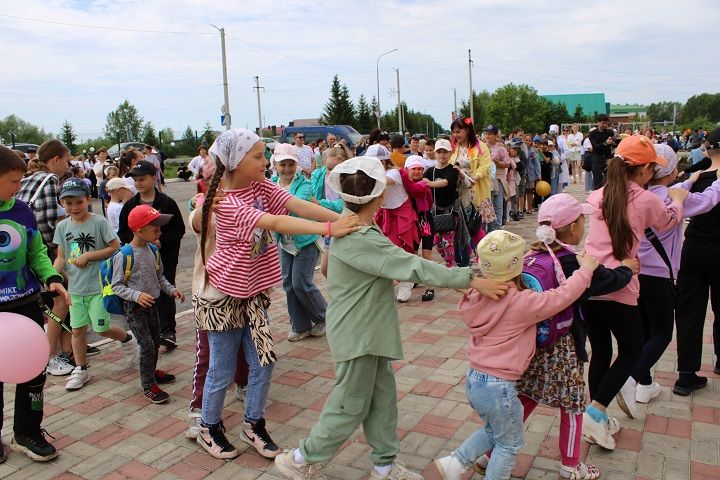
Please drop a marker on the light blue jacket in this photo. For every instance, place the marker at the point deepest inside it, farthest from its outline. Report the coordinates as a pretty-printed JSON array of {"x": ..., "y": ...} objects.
[
  {"x": 317, "y": 189},
  {"x": 300, "y": 188}
]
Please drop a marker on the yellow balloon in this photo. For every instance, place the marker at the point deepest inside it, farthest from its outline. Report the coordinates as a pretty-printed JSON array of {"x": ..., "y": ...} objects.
[{"x": 542, "y": 188}]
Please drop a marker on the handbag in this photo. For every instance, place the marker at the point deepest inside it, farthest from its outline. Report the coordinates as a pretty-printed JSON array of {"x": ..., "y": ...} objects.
[
  {"x": 444, "y": 222},
  {"x": 587, "y": 161},
  {"x": 657, "y": 244}
]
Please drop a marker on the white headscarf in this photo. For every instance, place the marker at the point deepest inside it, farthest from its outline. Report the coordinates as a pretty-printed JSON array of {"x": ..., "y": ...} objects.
[
  {"x": 371, "y": 166},
  {"x": 232, "y": 146}
]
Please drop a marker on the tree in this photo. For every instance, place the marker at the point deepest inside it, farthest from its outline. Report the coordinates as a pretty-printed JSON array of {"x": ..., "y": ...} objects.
[
  {"x": 67, "y": 136},
  {"x": 578, "y": 116},
  {"x": 480, "y": 103},
  {"x": 24, "y": 132},
  {"x": 148, "y": 134},
  {"x": 663, "y": 111},
  {"x": 374, "y": 107},
  {"x": 365, "y": 120},
  {"x": 513, "y": 106},
  {"x": 124, "y": 123},
  {"x": 703, "y": 105},
  {"x": 166, "y": 136},
  {"x": 208, "y": 137},
  {"x": 415, "y": 122},
  {"x": 555, "y": 113},
  {"x": 339, "y": 109},
  {"x": 189, "y": 142}
]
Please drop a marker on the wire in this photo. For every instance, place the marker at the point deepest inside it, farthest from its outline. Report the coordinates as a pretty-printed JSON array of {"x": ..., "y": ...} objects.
[{"x": 53, "y": 22}]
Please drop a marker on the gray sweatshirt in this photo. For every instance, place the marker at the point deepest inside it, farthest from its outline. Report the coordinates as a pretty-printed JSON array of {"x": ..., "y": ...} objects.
[{"x": 144, "y": 277}]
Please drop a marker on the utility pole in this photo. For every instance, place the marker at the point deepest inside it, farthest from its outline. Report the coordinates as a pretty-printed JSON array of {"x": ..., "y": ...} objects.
[
  {"x": 470, "y": 62},
  {"x": 455, "y": 103},
  {"x": 400, "y": 115},
  {"x": 226, "y": 106},
  {"x": 257, "y": 88},
  {"x": 378, "y": 112}
]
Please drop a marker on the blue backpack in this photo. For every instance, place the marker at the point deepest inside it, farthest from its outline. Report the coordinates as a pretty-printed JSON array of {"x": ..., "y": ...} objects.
[
  {"x": 111, "y": 302},
  {"x": 539, "y": 275}
]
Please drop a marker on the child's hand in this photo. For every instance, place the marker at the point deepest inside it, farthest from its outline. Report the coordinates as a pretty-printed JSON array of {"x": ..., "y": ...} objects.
[
  {"x": 81, "y": 261},
  {"x": 344, "y": 225},
  {"x": 633, "y": 264},
  {"x": 695, "y": 175},
  {"x": 146, "y": 300},
  {"x": 58, "y": 288},
  {"x": 179, "y": 295},
  {"x": 489, "y": 288},
  {"x": 219, "y": 197},
  {"x": 678, "y": 194},
  {"x": 588, "y": 262}
]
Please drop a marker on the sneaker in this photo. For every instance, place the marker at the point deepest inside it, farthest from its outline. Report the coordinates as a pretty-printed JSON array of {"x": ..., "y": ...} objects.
[
  {"x": 716, "y": 370},
  {"x": 169, "y": 343},
  {"x": 78, "y": 378},
  {"x": 428, "y": 295},
  {"x": 194, "y": 420},
  {"x": 684, "y": 389},
  {"x": 481, "y": 464},
  {"x": 583, "y": 471},
  {"x": 450, "y": 468},
  {"x": 131, "y": 353},
  {"x": 613, "y": 426},
  {"x": 155, "y": 395},
  {"x": 3, "y": 455},
  {"x": 645, "y": 393},
  {"x": 285, "y": 463},
  {"x": 91, "y": 351},
  {"x": 214, "y": 441},
  {"x": 241, "y": 392},
  {"x": 163, "y": 378},
  {"x": 597, "y": 432},
  {"x": 297, "y": 336},
  {"x": 60, "y": 366},
  {"x": 404, "y": 292},
  {"x": 397, "y": 472},
  {"x": 626, "y": 398},
  {"x": 257, "y": 436},
  {"x": 34, "y": 445},
  {"x": 318, "y": 330}
]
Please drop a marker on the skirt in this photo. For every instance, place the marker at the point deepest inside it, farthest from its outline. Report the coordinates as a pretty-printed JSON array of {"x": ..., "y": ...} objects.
[
  {"x": 487, "y": 212},
  {"x": 555, "y": 377},
  {"x": 400, "y": 226}
]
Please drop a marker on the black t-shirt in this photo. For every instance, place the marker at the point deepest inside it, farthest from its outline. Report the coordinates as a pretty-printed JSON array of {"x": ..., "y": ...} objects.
[
  {"x": 703, "y": 232},
  {"x": 598, "y": 139},
  {"x": 445, "y": 196},
  {"x": 546, "y": 167}
]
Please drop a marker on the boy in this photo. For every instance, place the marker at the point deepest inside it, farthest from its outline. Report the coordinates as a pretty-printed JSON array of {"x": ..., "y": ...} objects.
[
  {"x": 430, "y": 160},
  {"x": 140, "y": 294},
  {"x": 169, "y": 243},
  {"x": 25, "y": 268},
  {"x": 119, "y": 193},
  {"x": 397, "y": 157},
  {"x": 84, "y": 240}
]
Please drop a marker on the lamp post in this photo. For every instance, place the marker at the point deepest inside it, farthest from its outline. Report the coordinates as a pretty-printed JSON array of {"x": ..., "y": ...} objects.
[{"x": 377, "y": 74}]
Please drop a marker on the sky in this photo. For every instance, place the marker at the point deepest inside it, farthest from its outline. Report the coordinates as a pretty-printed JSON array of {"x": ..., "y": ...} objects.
[{"x": 78, "y": 60}]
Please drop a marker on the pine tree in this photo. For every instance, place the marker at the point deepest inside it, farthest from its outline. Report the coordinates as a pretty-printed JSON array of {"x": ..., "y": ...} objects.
[
  {"x": 208, "y": 137},
  {"x": 339, "y": 109},
  {"x": 189, "y": 142},
  {"x": 365, "y": 120},
  {"x": 148, "y": 134},
  {"x": 67, "y": 135}
]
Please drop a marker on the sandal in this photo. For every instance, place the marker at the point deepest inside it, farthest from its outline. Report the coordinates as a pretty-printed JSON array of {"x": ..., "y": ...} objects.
[
  {"x": 590, "y": 472},
  {"x": 428, "y": 295}
]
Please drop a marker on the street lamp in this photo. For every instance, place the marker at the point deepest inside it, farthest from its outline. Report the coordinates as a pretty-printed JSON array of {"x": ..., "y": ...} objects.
[
  {"x": 92, "y": 149},
  {"x": 377, "y": 73},
  {"x": 172, "y": 144}
]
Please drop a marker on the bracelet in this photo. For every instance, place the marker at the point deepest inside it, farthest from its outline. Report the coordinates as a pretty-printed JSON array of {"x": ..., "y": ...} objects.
[{"x": 327, "y": 229}]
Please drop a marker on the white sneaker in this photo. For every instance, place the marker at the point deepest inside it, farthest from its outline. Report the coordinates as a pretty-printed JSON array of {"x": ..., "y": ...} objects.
[
  {"x": 78, "y": 378},
  {"x": 59, "y": 366},
  {"x": 287, "y": 467},
  {"x": 450, "y": 468},
  {"x": 626, "y": 398},
  {"x": 131, "y": 353},
  {"x": 397, "y": 472},
  {"x": 597, "y": 432},
  {"x": 613, "y": 426},
  {"x": 645, "y": 393},
  {"x": 404, "y": 291},
  {"x": 194, "y": 419}
]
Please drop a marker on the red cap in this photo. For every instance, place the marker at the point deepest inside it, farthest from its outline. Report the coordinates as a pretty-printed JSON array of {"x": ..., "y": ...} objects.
[{"x": 144, "y": 215}]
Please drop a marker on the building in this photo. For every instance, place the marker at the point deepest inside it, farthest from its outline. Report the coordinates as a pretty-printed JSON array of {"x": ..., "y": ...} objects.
[
  {"x": 591, "y": 103},
  {"x": 627, "y": 113}
]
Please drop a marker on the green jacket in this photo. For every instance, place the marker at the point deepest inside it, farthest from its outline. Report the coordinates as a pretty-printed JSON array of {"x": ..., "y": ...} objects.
[
  {"x": 362, "y": 314},
  {"x": 317, "y": 188},
  {"x": 300, "y": 188}
]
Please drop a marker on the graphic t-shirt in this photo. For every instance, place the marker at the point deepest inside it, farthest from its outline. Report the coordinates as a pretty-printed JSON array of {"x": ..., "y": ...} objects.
[{"x": 78, "y": 238}]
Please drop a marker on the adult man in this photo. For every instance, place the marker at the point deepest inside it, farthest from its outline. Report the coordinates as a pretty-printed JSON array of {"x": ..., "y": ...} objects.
[
  {"x": 602, "y": 140},
  {"x": 331, "y": 140},
  {"x": 306, "y": 159}
]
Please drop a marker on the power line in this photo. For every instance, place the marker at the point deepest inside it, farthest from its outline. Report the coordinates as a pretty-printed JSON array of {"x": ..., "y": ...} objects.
[{"x": 99, "y": 27}]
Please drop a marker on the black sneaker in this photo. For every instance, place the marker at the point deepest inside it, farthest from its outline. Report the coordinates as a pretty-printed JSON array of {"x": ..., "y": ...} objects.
[
  {"x": 716, "y": 370},
  {"x": 212, "y": 438},
  {"x": 3, "y": 455},
  {"x": 163, "y": 378},
  {"x": 169, "y": 343},
  {"x": 428, "y": 295},
  {"x": 91, "y": 351},
  {"x": 155, "y": 395},
  {"x": 34, "y": 446},
  {"x": 256, "y": 435},
  {"x": 686, "y": 388}
]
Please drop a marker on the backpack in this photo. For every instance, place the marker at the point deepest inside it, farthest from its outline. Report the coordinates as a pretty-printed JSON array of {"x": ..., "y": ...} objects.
[
  {"x": 539, "y": 275},
  {"x": 111, "y": 302}
]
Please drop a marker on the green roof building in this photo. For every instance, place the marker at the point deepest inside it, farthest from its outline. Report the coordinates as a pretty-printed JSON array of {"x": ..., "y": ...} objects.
[
  {"x": 628, "y": 109},
  {"x": 591, "y": 103}
]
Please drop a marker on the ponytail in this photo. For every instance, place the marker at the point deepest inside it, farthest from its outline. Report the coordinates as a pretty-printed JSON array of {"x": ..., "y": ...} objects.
[
  {"x": 614, "y": 207},
  {"x": 47, "y": 151},
  {"x": 207, "y": 207}
]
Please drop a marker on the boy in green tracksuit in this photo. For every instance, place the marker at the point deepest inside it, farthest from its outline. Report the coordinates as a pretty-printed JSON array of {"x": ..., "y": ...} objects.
[{"x": 363, "y": 331}]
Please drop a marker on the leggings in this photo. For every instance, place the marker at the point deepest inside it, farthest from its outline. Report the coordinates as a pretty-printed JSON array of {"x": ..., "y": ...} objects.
[
  {"x": 657, "y": 312},
  {"x": 605, "y": 320}
]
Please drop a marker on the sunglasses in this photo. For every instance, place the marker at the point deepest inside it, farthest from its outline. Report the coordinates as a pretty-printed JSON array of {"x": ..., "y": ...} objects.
[{"x": 301, "y": 136}]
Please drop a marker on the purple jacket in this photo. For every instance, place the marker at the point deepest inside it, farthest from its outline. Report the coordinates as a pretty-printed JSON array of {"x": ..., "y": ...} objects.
[{"x": 695, "y": 204}]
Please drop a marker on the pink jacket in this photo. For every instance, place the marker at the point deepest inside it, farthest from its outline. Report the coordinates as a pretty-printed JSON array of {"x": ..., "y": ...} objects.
[
  {"x": 645, "y": 209},
  {"x": 502, "y": 340},
  {"x": 419, "y": 191}
]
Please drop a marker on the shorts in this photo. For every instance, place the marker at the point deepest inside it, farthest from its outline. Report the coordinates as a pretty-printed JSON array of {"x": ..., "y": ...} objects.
[
  {"x": 521, "y": 185},
  {"x": 530, "y": 186},
  {"x": 86, "y": 309}
]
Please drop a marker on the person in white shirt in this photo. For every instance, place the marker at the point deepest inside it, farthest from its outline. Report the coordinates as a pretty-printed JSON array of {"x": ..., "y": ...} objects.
[
  {"x": 306, "y": 159},
  {"x": 119, "y": 194},
  {"x": 573, "y": 141}
]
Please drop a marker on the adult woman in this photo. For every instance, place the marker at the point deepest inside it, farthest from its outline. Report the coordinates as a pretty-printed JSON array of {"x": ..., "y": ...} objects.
[
  {"x": 203, "y": 167},
  {"x": 573, "y": 141}
]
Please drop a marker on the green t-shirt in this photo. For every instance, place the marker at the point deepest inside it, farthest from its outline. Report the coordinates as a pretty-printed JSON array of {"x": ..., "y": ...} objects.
[{"x": 78, "y": 238}]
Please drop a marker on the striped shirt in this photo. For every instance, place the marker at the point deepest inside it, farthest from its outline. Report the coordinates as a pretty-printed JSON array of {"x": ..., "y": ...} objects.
[{"x": 246, "y": 260}]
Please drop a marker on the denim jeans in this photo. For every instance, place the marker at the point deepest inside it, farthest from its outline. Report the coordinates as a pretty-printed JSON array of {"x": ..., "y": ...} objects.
[
  {"x": 145, "y": 325},
  {"x": 224, "y": 348},
  {"x": 588, "y": 182},
  {"x": 498, "y": 198},
  {"x": 306, "y": 305},
  {"x": 497, "y": 403}
]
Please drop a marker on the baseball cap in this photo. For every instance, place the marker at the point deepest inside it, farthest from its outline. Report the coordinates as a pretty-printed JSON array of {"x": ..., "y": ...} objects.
[
  {"x": 443, "y": 144},
  {"x": 74, "y": 187},
  {"x": 491, "y": 129},
  {"x": 144, "y": 215},
  {"x": 537, "y": 138},
  {"x": 638, "y": 150},
  {"x": 377, "y": 151},
  {"x": 142, "y": 168},
  {"x": 664, "y": 150},
  {"x": 501, "y": 255},
  {"x": 115, "y": 184},
  {"x": 562, "y": 209},
  {"x": 516, "y": 143},
  {"x": 285, "y": 151}
]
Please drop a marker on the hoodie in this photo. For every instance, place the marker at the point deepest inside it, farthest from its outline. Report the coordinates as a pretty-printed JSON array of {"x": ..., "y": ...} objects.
[{"x": 502, "y": 332}]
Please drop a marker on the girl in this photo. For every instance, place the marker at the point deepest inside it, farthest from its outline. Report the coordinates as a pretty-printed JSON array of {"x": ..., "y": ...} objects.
[
  {"x": 363, "y": 330},
  {"x": 204, "y": 166},
  {"x": 623, "y": 210},
  {"x": 501, "y": 346},
  {"x": 128, "y": 160},
  {"x": 244, "y": 266},
  {"x": 574, "y": 140},
  {"x": 422, "y": 202},
  {"x": 298, "y": 255}
]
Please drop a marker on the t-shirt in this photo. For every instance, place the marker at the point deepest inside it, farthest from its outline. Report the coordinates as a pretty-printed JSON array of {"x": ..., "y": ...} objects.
[
  {"x": 398, "y": 159},
  {"x": 444, "y": 196},
  {"x": 78, "y": 238},
  {"x": 113, "y": 215},
  {"x": 703, "y": 232},
  {"x": 246, "y": 260},
  {"x": 395, "y": 195}
]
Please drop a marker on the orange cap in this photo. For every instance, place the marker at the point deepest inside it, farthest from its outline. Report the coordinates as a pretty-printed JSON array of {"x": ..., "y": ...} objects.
[{"x": 638, "y": 150}]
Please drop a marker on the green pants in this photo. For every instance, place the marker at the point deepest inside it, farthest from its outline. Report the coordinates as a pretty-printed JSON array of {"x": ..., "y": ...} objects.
[{"x": 364, "y": 393}]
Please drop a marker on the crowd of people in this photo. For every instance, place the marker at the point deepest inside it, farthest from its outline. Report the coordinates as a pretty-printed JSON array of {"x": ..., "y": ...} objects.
[{"x": 369, "y": 220}]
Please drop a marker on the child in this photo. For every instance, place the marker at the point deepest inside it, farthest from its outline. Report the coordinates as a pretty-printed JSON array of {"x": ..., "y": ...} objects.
[
  {"x": 119, "y": 193},
  {"x": 20, "y": 293},
  {"x": 363, "y": 330},
  {"x": 430, "y": 160},
  {"x": 144, "y": 176},
  {"x": 140, "y": 293},
  {"x": 110, "y": 172},
  {"x": 83, "y": 241},
  {"x": 253, "y": 207},
  {"x": 534, "y": 171},
  {"x": 623, "y": 210},
  {"x": 422, "y": 202},
  {"x": 501, "y": 347}
]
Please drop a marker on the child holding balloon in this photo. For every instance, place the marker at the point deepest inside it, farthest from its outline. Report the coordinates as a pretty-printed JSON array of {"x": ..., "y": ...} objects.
[{"x": 20, "y": 282}]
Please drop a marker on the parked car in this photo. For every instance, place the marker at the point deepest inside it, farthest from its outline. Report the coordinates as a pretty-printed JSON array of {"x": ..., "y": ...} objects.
[
  {"x": 23, "y": 147},
  {"x": 314, "y": 133},
  {"x": 114, "y": 151}
]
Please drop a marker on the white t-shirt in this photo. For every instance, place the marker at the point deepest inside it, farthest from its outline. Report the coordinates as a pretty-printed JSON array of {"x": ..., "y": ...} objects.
[
  {"x": 305, "y": 157},
  {"x": 113, "y": 215},
  {"x": 575, "y": 141},
  {"x": 395, "y": 195},
  {"x": 196, "y": 164}
]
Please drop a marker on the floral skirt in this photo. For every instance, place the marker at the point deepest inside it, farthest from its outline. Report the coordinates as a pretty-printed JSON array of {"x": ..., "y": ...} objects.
[
  {"x": 555, "y": 377},
  {"x": 487, "y": 212}
]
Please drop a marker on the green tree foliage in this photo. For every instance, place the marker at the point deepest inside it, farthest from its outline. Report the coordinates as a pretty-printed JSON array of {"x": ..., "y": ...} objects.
[
  {"x": 24, "y": 132},
  {"x": 703, "y": 105},
  {"x": 555, "y": 113},
  {"x": 188, "y": 144},
  {"x": 663, "y": 111},
  {"x": 339, "y": 109},
  {"x": 148, "y": 134},
  {"x": 480, "y": 104},
  {"x": 513, "y": 106},
  {"x": 124, "y": 122},
  {"x": 579, "y": 116},
  {"x": 208, "y": 137},
  {"x": 415, "y": 122},
  {"x": 165, "y": 136},
  {"x": 67, "y": 136},
  {"x": 365, "y": 120},
  {"x": 95, "y": 143}
]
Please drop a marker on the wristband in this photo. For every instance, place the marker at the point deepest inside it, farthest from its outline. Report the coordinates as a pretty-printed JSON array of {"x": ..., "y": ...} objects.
[{"x": 327, "y": 229}]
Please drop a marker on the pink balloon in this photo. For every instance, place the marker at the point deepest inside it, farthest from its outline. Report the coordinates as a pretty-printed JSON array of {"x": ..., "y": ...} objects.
[{"x": 24, "y": 348}]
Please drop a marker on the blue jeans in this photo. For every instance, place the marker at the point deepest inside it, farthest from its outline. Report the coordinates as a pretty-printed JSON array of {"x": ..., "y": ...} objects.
[
  {"x": 498, "y": 198},
  {"x": 497, "y": 403},
  {"x": 588, "y": 182},
  {"x": 306, "y": 305},
  {"x": 224, "y": 348}
]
